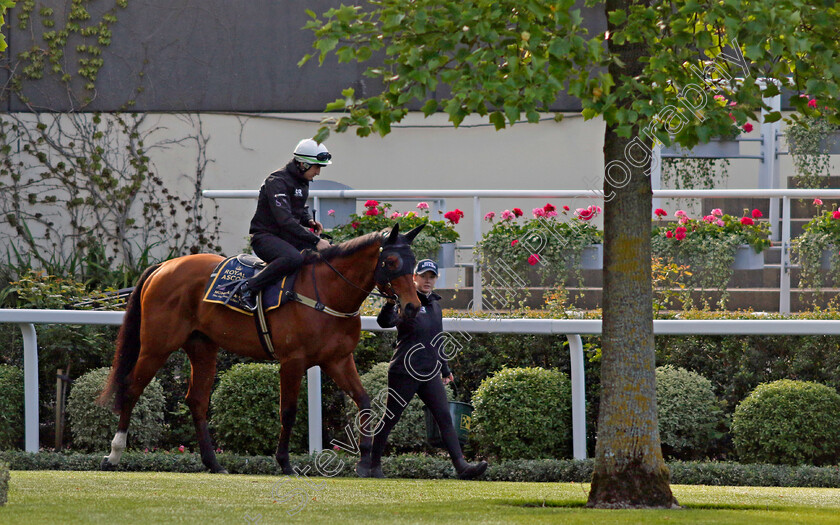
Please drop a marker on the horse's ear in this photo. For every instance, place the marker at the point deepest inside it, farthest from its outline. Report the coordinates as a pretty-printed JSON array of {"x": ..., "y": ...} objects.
[
  {"x": 394, "y": 235},
  {"x": 413, "y": 233}
]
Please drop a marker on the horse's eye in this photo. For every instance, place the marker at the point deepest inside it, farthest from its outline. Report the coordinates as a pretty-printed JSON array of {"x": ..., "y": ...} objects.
[{"x": 393, "y": 262}]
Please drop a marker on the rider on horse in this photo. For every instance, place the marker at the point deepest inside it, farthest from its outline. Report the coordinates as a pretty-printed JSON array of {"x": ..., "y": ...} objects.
[{"x": 281, "y": 225}]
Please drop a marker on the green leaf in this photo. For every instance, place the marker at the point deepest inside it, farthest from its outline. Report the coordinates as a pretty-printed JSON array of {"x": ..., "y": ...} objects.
[
  {"x": 430, "y": 107},
  {"x": 322, "y": 135},
  {"x": 773, "y": 116},
  {"x": 617, "y": 17},
  {"x": 498, "y": 120}
]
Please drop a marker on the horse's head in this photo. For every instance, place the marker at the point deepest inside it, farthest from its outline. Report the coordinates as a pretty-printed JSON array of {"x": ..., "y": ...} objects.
[{"x": 395, "y": 269}]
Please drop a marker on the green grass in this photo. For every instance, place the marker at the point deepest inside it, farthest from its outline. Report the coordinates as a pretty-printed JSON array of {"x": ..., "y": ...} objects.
[{"x": 119, "y": 497}]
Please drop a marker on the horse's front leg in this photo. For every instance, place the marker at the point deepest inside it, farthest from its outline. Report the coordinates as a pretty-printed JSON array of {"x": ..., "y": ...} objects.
[
  {"x": 290, "y": 378},
  {"x": 346, "y": 376}
]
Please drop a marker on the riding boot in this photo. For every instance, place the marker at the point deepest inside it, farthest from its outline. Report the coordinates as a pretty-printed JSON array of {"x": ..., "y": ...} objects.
[
  {"x": 248, "y": 297},
  {"x": 270, "y": 274}
]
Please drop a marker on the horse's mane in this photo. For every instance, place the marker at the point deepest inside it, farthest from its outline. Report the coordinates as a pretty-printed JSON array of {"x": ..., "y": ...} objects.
[{"x": 344, "y": 249}]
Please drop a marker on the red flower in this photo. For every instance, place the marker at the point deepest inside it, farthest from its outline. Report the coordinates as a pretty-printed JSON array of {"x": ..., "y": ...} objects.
[
  {"x": 459, "y": 212},
  {"x": 549, "y": 207},
  {"x": 566, "y": 208},
  {"x": 181, "y": 448},
  {"x": 836, "y": 214},
  {"x": 747, "y": 127},
  {"x": 660, "y": 212},
  {"x": 680, "y": 233},
  {"x": 517, "y": 212},
  {"x": 533, "y": 259},
  {"x": 669, "y": 234},
  {"x": 372, "y": 212},
  {"x": 746, "y": 221},
  {"x": 355, "y": 225},
  {"x": 812, "y": 103},
  {"x": 757, "y": 214},
  {"x": 454, "y": 216},
  {"x": 371, "y": 204},
  {"x": 513, "y": 242}
]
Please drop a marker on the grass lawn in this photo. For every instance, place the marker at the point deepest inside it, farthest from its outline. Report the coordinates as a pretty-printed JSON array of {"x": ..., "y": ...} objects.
[{"x": 124, "y": 497}]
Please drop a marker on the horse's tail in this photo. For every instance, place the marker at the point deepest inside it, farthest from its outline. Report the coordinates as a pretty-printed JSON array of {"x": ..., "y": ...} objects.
[{"x": 128, "y": 348}]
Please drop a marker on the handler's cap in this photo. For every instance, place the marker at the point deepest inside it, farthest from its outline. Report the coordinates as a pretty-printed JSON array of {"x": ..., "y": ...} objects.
[{"x": 426, "y": 265}]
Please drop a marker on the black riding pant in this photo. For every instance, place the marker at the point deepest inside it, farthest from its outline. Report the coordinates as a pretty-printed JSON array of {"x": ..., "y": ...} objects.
[
  {"x": 433, "y": 395},
  {"x": 281, "y": 256}
]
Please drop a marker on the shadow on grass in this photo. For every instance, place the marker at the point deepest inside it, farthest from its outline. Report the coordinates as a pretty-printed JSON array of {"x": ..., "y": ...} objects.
[{"x": 572, "y": 504}]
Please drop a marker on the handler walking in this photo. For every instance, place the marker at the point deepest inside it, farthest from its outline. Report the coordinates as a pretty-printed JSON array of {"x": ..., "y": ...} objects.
[{"x": 418, "y": 368}]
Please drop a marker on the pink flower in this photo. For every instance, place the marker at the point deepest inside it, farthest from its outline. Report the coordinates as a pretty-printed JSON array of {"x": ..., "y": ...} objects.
[
  {"x": 181, "y": 448},
  {"x": 756, "y": 214},
  {"x": 716, "y": 212},
  {"x": 551, "y": 214},
  {"x": 679, "y": 234},
  {"x": 747, "y": 127},
  {"x": 533, "y": 259},
  {"x": 331, "y": 213},
  {"x": 371, "y": 204},
  {"x": 565, "y": 208},
  {"x": 817, "y": 202},
  {"x": 659, "y": 212},
  {"x": 669, "y": 234},
  {"x": 145, "y": 450},
  {"x": 836, "y": 214},
  {"x": 355, "y": 225},
  {"x": 336, "y": 447},
  {"x": 746, "y": 221},
  {"x": 719, "y": 97},
  {"x": 719, "y": 223},
  {"x": 733, "y": 103},
  {"x": 680, "y": 213},
  {"x": 422, "y": 205},
  {"x": 489, "y": 216},
  {"x": 395, "y": 215},
  {"x": 584, "y": 214},
  {"x": 709, "y": 218},
  {"x": 684, "y": 220},
  {"x": 372, "y": 212},
  {"x": 812, "y": 103},
  {"x": 513, "y": 242},
  {"x": 518, "y": 212},
  {"x": 507, "y": 215},
  {"x": 453, "y": 216},
  {"x": 732, "y": 117},
  {"x": 538, "y": 212}
]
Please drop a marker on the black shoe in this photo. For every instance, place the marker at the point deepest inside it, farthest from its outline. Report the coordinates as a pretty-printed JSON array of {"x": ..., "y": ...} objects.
[
  {"x": 248, "y": 298},
  {"x": 472, "y": 471}
]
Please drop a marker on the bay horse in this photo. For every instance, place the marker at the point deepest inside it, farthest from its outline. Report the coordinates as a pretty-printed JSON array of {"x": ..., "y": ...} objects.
[{"x": 165, "y": 312}]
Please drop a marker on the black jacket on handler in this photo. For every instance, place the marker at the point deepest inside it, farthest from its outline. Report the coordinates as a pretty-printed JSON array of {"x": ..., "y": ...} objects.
[
  {"x": 418, "y": 352},
  {"x": 282, "y": 210}
]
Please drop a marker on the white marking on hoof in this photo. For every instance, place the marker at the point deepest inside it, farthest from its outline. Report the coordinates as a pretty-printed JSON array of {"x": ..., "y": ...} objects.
[{"x": 117, "y": 447}]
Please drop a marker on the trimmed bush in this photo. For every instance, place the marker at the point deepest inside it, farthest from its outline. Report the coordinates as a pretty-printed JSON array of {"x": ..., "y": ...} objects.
[
  {"x": 687, "y": 410},
  {"x": 246, "y": 410},
  {"x": 524, "y": 413},
  {"x": 788, "y": 422},
  {"x": 4, "y": 483},
  {"x": 11, "y": 406},
  {"x": 409, "y": 434},
  {"x": 94, "y": 426}
]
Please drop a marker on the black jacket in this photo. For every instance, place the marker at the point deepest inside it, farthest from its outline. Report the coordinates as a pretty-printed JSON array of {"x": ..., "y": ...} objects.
[
  {"x": 282, "y": 209},
  {"x": 417, "y": 349}
]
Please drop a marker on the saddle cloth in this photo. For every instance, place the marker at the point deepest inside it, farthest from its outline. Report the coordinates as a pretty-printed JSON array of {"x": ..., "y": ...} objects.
[{"x": 243, "y": 266}]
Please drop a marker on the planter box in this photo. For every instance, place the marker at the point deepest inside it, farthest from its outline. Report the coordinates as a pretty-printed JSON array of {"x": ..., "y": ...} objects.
[
  {"x": 831, "y": 143},
  {"x": 825, "y": 258},
  {"x": 446, "y": 255},
  {"x": 716, "y": 148},
  {"x": 592, "y": 257},
  {"x": 747, "y": 259}
]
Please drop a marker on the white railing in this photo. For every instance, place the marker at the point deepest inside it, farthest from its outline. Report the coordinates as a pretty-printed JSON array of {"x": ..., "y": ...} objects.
[
  {"x": 571, "y": 328},
  {"x": 476, "y": 195}
]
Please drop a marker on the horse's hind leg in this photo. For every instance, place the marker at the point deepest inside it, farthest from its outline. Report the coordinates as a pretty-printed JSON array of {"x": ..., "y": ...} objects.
[
  {"x": 290, "y": 376},
  {"x": 202, "y": 353},
  {"x": 147, "y": 366}
]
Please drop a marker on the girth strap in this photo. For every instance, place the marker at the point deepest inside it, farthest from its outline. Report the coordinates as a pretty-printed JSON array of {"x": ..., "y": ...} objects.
[{"x": 264, "y": 329}]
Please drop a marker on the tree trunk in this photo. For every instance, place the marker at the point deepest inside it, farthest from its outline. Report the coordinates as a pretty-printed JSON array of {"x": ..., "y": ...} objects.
[{"x": 630, "y": 471}]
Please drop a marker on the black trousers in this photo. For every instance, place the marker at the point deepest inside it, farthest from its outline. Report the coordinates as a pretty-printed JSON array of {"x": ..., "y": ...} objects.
[
  {"x": 281, "y": 256},
  {"x": 433, "y": 395}
]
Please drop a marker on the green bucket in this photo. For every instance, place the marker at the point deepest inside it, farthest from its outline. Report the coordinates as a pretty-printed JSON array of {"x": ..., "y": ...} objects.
[{"x": 461, "y": 414}]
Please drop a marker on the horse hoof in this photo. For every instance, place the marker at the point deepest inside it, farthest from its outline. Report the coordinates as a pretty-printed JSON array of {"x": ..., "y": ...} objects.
[
  {"x": 362, "y": 470},
  {"x": 219, "y": 470},
  {"x": 288, "y": 471},
  {"x": 106, "y": 465}
]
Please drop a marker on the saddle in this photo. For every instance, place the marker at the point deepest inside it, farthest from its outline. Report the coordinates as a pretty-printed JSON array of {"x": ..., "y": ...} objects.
[{"x": 228, "y": 273}]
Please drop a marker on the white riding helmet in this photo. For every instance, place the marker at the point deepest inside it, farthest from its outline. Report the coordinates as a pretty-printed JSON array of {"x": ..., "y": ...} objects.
[{"x": 310, "y": 152}]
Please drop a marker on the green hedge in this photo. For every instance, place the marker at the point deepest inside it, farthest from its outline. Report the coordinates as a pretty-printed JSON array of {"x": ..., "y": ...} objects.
[
  {"x": 94, "y": 426},
  {"x": 788, "y": 422},
  {"x": 4, "y": 483},
  {"x": 245, "y": 410},
  {"x": 11, "y": 406},
  {"x": 414, "y": 466},
  {"x": 524, "y": 413},
  {"x": 687, "y": 410}
]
